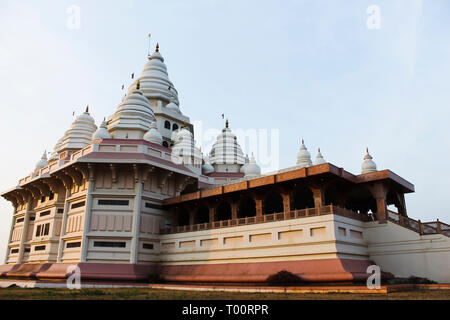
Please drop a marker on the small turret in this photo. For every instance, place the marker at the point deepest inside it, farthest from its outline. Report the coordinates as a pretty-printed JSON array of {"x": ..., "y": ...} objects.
[{"x": 368, "y": 164}]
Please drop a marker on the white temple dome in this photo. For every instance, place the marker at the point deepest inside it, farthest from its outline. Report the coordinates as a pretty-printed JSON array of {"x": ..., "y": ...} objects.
[
  {"x": 184, "y": 149},
  {"x": 242, "y": 170},
  {"x": 80, "y": 134},
  {"x": 42, "y": 163},
  {"x": 173, "y": 106},
  {"x": 102, "y": 132},
  {"x": 252, "y": 169},
  {"x": 207, "y": 168},
  {"x": 133, "y": 116},
  {"x": 368, "y": 164},
  {"x": 319, "y": 158},
  {"x": 155, "y": 81},
  {"x": 303, "y": 157},
  {"x": 226, "y": 149},
  {"x": 153, "y": 134}
]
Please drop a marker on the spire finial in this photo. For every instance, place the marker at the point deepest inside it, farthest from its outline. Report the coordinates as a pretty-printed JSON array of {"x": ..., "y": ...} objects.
[
  {"x": 138, "y": 85},
  {"x": 226, "y": 124},
  {"x": 157, "y": 47},
  {"x": 318, "y": 149},
  {"x": 303, "y": 141},
  {"x": 87, "y": 109},
  {"x": 367, "y": 150}
]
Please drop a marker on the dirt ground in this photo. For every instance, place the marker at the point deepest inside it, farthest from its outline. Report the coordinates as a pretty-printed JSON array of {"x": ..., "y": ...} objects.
[{"x": 160, "y": 294}]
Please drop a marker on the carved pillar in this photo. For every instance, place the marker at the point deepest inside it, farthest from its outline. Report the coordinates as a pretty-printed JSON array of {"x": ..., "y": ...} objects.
[
  {"x": 258, "y": 206},
  {"x": 319, "y": 197},
  {"x": 234, "y": 209},
  {"x": 136, "y": 215},
  {"x": 286, "y": 202},
  {"x": 212, "y": 214},
  {"x": 26, "y": 222},
  {"x": 379, "y": 193},
  {"x": 10, "y": 234},
  {"x": 63, "y": 226},
  {"x": 87, "y": 214}
]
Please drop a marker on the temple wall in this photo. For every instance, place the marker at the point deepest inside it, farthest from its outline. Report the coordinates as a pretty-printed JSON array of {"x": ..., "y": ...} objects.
[{"x": 405, "y": 253}]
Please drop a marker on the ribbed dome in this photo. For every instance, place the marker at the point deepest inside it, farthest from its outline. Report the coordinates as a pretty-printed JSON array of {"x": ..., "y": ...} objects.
[
  {"x": 319, "y": 158},
  {"x": 42, "y": 163},
  {"x": 304, "y": 157},
  {"x": 155, "y": 81},
  {"x": 252, "y": 169},
  {"x": 173, "y": 106},
  {"x": 133, "y": 116},
  {"x": 101, "y": 133},
  {"x": 153, "y": 134},
  {"x": 80, "y": 134},
  {"x": 207, "y": 168},
  {"x": 226, "y": 149},
  {"x": 242, "y": 170},
  {"x": 184, "y": 149},
  {"x": 54, "y": 155},
  {"x": 368, "y": 164}
]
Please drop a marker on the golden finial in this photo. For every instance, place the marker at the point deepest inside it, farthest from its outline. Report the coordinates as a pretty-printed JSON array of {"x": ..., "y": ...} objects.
[
  {"x": 226, "y": 124},
  {"x": 138, "y": 85},
  {"x": 318, "y": 150},
  {"x": 157, "y": 47},
  {"x": 367, "y": 150},
  {"x": 87, "y": 109},
  {"x": 303, "y": 141},
  {"x": 185, "y": 124}
]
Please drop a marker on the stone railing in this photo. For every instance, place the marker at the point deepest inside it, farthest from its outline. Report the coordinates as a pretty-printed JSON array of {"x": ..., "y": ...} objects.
[
  {"x": 433, "y": 227},
  {"x": 295, "y": 214}
]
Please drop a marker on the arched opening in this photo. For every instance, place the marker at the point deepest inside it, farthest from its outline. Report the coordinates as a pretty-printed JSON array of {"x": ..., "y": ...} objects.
[
  {"x": 223, "y": 211},
  {"x": 247, "y": 208},
  {"x": 174, "y": 127},
  {"x": 167, "y": 124},
  {"x": 334, "y": 196},
  {"x": 303, "y": 198},
  {"x": 273, "y": 203},
  {"x": 361, "y": 200},
  {"x": 393, "y": 202},
  {"x": 183, "y": 217},
  {"x": 165, "y": 144},
  {"x": 202, "y": 215}
]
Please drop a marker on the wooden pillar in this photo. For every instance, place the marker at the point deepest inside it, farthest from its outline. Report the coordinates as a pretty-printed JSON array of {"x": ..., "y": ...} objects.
[
  {"x": 286, "y": 202},
  {"x": 234, "y": 209},
  {"x": 379, "y": 193},
  {"x": 258, "y": 206},
  {"x": 212, "y": 214},
  {"x": 319, "y": 198}
]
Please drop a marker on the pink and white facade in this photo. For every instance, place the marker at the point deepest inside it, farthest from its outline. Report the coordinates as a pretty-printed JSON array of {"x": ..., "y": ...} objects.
[{"x": 134, "y": 198}]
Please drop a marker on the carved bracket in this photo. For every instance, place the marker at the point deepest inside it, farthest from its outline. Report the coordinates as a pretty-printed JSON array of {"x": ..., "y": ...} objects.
[{"x": 164, "y": 175}]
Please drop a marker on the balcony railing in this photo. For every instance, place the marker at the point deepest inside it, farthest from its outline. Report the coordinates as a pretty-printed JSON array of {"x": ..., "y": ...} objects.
[
  {"x": 281, "y": 216},
  {"x": 433, "y": 227}
]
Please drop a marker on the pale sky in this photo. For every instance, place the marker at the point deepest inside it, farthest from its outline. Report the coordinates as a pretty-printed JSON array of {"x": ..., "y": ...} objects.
[{"x": 311, "y": 69}]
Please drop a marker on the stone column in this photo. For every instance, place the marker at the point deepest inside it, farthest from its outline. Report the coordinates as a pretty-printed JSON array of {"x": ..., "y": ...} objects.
[
  {"x": 26, "y": 222},
  {"x": 135, "y": 230},
  {"x": 87, "y": 215},
  {"x": 63, "y": 226},
  {"x": 10, "y": 234}
]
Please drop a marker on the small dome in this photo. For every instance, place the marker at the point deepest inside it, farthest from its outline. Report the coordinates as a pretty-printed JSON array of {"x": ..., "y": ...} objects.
[
  {"x": 319, "y": 158},
  {"x": 368, "y": 164},
  {"x": 153, "y": 134},
  {"x": 242, "y": 170},
  {"x": 252, "y": 169},
  {"x": 173, "y": 106},
  {"x": 102, "y": 132},
  {"x": 303, "y": 157},
  {"x": 226, "y": 149},
  {"x": 184, "y": 149},
  {"x": 207, "y": 168},
  {"x": 42, "y": 163}
]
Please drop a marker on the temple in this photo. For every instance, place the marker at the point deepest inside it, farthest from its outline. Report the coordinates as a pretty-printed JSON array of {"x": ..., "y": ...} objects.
[{"x": 135, "y": 199}]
